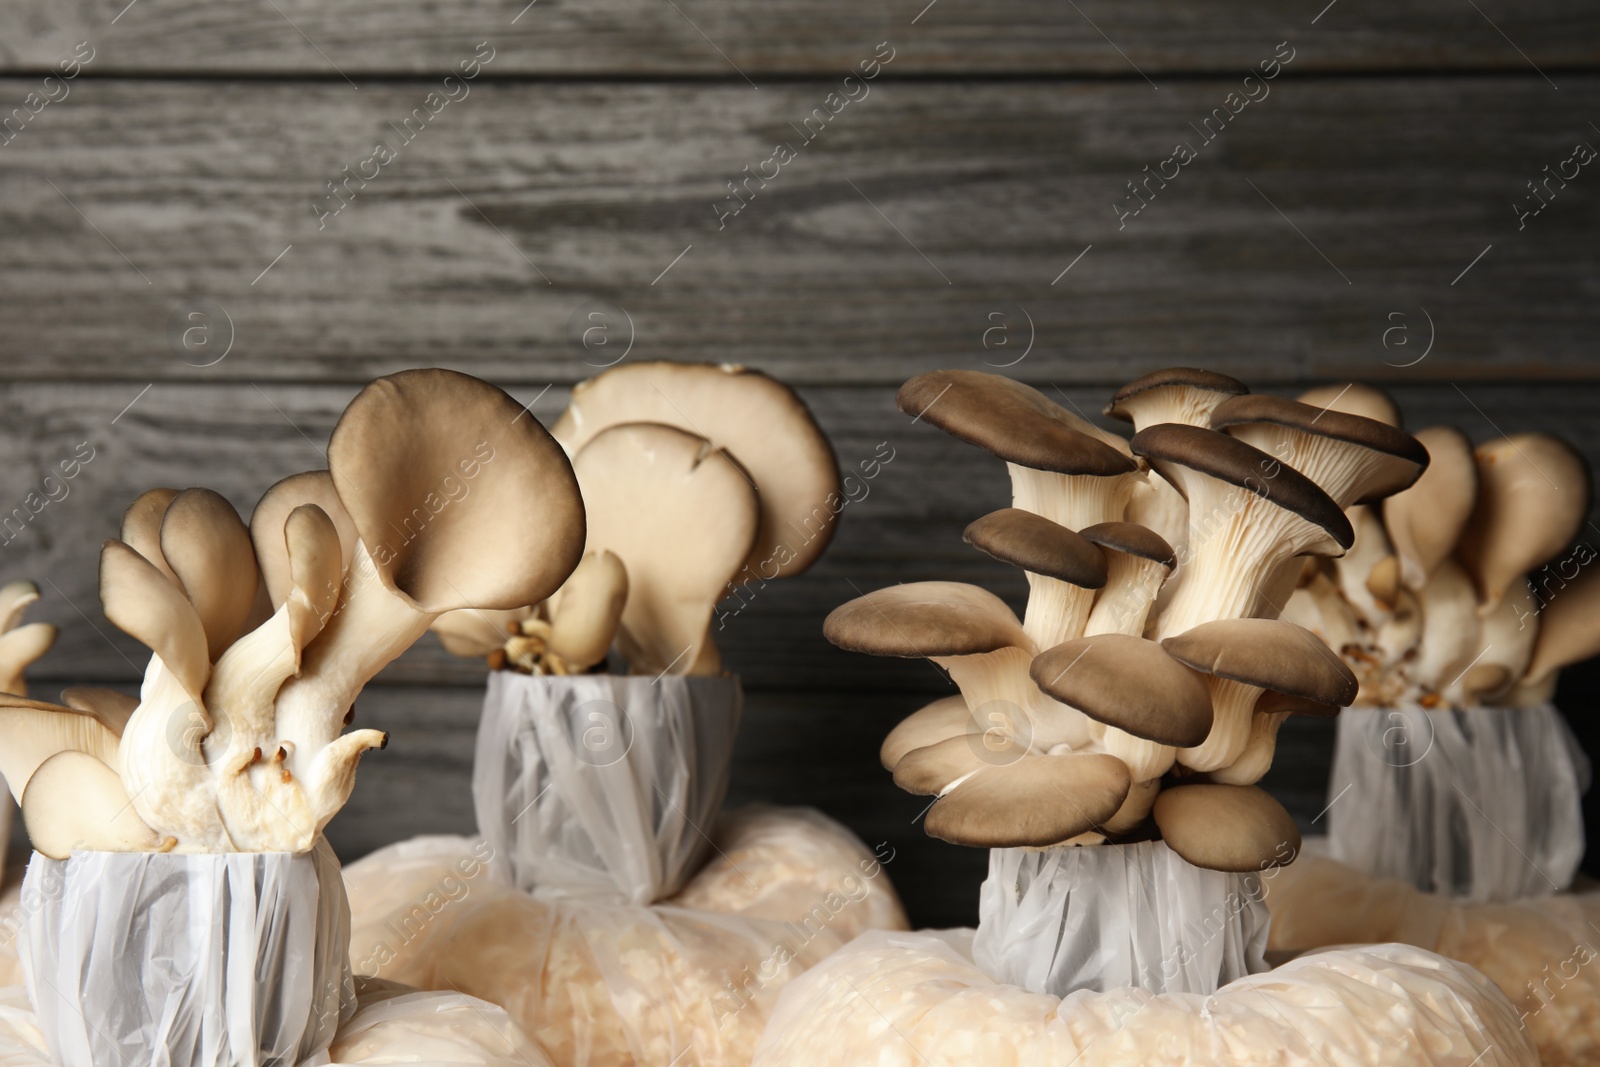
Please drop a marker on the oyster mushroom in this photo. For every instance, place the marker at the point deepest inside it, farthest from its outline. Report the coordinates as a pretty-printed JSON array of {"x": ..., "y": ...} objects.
[
  {"x": 1138, "y": 561},
  {"x": 1035, "y": 801},
  {"x": 1426, "y": 521},
  {"x": 1064, "y": 570},
  {"x": 1226, "y": 827},
  {"x": 1175, "y": 394},
  {"x": 75, "y": 801},
  {"x": 1355, "y": 398}
]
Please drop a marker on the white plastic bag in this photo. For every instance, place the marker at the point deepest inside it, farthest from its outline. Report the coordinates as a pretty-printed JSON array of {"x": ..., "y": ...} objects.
[
  {"x": 1543, "y": 952},
  {"x": 1478, "y": 803},
  {"x": 609, "y": 985},
  {"x": 917, "y": 1000},
  {"x": 602, "y": 787},
  {"x": 187, "y": 960},
  {"x": 395, "y": 1024},
  {"x": 1103, "y": 918}
]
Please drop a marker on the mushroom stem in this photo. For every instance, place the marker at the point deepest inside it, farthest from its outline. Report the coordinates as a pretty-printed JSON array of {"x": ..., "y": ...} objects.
[
  {"x": 1232, "y": 705},
  {"x": 1124, "y": 604},
  {"x": 1256, "y": 759},
  {"x": 1001, "y": 697},
  {"x": 1228, "y": 569},
  {"x": 1146, "y": 760},
  {"x": 1056, "y": 610},
  {"x": 1072, "y": 500},
  {"x": 1141, "y": 798}
]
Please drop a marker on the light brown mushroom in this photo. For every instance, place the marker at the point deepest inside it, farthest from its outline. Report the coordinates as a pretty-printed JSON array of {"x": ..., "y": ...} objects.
[
  {"x": 34, "y": 731},
  {"x": 271, "y": 514},
  {"x": 759, "y": 421},
  {"x": 1426, "y": 521},
  {"x": 587, "y": 610},
  {"x": 1064, "y": 570},
  {"x": 141, "y": 527},
  {"x": 208, "y": 548},
  {"x": 941, "y": 720},
  {"x": 1533, "y": 494},
  {"x": 681, "y": 516},
  {"x": 1569, "y": 628},
  {"x": 1355, "y": 398},
  {"x": 75, "y": 801},
  {"x": 1237, "y": 828},
  {"x": 1450, "y": 627}
]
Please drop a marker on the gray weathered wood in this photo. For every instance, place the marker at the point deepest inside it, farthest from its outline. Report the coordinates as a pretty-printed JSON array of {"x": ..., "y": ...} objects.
[
  {"x": 722, "y": 38},
  {"x": 926, "y": 220},
  {"x": 905, "y": 525}
]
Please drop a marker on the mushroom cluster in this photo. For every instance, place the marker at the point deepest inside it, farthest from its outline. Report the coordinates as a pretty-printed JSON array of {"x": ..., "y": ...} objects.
[
  {"x": 1142, "y": 690},
  {"x": 1464, "y": 589},
  {"x": 262, "y": 635},
  {"x": 701, "y": 481}
]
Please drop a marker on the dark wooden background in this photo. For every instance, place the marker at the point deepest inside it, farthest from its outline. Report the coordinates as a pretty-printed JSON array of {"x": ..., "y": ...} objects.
[{"x": 1360, "y": 221}]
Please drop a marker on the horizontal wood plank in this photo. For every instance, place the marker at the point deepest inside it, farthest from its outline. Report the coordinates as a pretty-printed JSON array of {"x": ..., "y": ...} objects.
[
  {"x": 904, "y": 524},
  {"x": 738, "y": 38},
  {"x": 1333, "y": 227}
]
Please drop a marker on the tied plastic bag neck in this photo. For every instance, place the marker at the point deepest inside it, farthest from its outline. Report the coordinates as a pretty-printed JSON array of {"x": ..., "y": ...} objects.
[
  {"x": 1115, "y": 916},
  {"x": 1478, "y": 803},
  {"x": 597, "y": 786},
  {"x": 187, "y": 960}
]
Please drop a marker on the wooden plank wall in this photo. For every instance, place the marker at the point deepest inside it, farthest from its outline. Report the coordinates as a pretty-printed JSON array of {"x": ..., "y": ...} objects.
[{"x": 1365, "y": 212}]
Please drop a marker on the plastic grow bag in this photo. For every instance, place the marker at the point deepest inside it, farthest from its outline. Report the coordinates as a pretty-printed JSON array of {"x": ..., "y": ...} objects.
[
  {"x": 596, "y": 786},
  {"x": 918, "y": 1000},
  {"x": 1478, "y": 803},
  {"x": 689, "y": 981},
  {"x": 1100, "y": 918},
  {"x": 186, "y": 960},
  {"x": 1543, "y": 952}
]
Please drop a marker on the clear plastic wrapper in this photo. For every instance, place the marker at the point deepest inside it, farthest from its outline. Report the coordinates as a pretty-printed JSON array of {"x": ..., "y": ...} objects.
[
  {"x": 1543, "y": 952},
  {"x": 1478, "y": 803},
  {"x": 395, "y": 1024},
  {"x": 1103, "y": 918},
  {"x": 187, "y": 960},
  {"x": 691, "y": 980},
  {"x": 918, "y": 1000},
  {"x": 595, "y": 786}
]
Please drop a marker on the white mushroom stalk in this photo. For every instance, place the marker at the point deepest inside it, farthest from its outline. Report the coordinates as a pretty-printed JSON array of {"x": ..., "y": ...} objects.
[{"x": 238, "y": 742}]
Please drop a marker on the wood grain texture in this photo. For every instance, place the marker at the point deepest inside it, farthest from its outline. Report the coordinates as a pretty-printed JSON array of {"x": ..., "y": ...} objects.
[
  {"x": 722, "y": 38},
  {"x": 924, "y": 222},
  {"x": 903, "y": 525}
]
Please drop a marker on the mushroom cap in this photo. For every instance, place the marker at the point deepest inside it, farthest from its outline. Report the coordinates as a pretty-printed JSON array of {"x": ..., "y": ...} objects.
[
  {"x": 1533, "y": 494},
  {"x": 1268, "y": 653},
  {"x": 76, "y": 801},
  {"x": 1226, "y": 827},
  {"x": 1404, "y": 456},
  {"x": 32, "y": 731},
  {"x": 271, "y": 516},
  {"x": 1426, "y": 521},
  {"x": 680, "y": 514},
  {"x": 1355, "y": 398},
  {"x": 208, "y": 548},
  {"x": 1036, "y": 801},
  {"x": 141, "y": 601},
  {"x": 1013, "y": 421},
  {"x": 141, "y": 526},
  {"x": 1230, "y": 460},
  {"x": 1130, "y": 683},
  {"x": 945, "y": 718},
  {"x": 925, "y": 619},
  {"x": 1034, "y": 543},
  {"x": 1132, "y": 539},
  {"x": 929, "y": 770},
  {"x": 762, "y": 423},
  {"x": 1271, "y": 702},
  {"x": 1186, "y": 378},
  {"x": 1569, "y": 627},
  {"x": 461, "y": 497},
  {"x": 110, "y": 708}
]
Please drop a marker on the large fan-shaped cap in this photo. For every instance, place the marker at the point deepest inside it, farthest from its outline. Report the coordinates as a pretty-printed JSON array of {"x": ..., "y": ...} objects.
[
  {"x": 461, "y": 497},
  {"x": 1015, "y": 422},
  {"x": 759, "y": 421}
]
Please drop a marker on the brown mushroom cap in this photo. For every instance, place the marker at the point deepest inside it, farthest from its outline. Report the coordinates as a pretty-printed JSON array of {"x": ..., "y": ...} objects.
[
  {"x": 760, "y": 422},
  {"x": 1275, "y": 703},
  {"x": 271, "y": 515},
  {"x": 1172, "y": 445},
  {"x": 924, "y": 619},
  {"x": 1013, "y": 421},
  {"x": 1569, "y": 627},
  {"x": 1396, "y": 458},
  {"x": 1425, "y": 521},
  {"x": 1355, "y": 398},
  {"x": 141, "y": 526},
  {"x": 1036, "y": 801},
  {"x": 1268, "y": 653},
  {"x": 143, "y": 602},
  {"x": 1132, "y": 539},
  {"x": 1130, "y": 683},
  {"x": 929, "y": 770},
  {"x": 1202, "y": 389},
  {"x": 208, "y": 548},
  {"x": 461, "y": 497},
  {"x": 945, "y": 718},
  {"x": 1036, "y": 544},
  {"x": 1226, "y": 827}
]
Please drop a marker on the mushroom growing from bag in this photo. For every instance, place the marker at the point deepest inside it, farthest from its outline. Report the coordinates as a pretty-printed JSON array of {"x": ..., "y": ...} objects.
[
  {"x": 703, "y": 482},
  {"x": 238, "y": 739}
]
